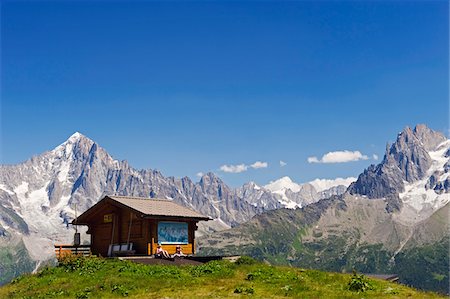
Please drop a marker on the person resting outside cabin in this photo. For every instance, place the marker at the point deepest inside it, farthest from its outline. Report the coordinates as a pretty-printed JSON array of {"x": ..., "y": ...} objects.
[
  {"x": 178, "y": 252},
  {"x": 161, "y": 252}
]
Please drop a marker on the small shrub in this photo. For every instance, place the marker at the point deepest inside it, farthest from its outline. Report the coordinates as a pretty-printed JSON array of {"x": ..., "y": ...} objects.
[
  {"x": 84, "y": 265},
  {"x": 244, "y": 290},
  {"x": 16, "y": 280},
  {"x": 59, "y": 292},
  {"x": 218, "y": 268},
  {"x": 359, "y": 283},
  {"x": 161, "y": 271},
  {"x": 391, "y": 291},
  {"x": 266, "y": 274},
  {"x": 46, "y": 271},
  {"x": 245, "y": 260},
  {"x": 84, "y": 294},
  {"x": 286, "y": 289},
  {"x": 120, "y": 289},
  {"x": 81, "y": 295}
]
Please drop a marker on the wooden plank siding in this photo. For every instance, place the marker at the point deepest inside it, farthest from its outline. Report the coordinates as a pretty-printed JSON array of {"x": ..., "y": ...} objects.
[{"x": 141, "y": 233}]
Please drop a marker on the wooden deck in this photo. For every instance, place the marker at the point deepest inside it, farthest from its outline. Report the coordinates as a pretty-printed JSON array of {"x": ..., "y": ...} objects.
[
  {"x": 150, "y": 260},
  {"x": 85, "y": 250}
]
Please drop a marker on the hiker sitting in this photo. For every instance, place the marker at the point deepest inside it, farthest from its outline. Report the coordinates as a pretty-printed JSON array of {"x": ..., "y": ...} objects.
[
  {"x": 178, "y": 252},
  {"x": 161, "y": 252}
]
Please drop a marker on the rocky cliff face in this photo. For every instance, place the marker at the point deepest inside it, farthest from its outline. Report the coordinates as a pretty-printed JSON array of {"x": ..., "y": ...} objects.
[{"x": 408, "y": 160}]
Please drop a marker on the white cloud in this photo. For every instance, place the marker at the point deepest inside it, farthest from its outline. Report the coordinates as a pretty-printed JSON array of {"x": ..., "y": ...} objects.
[
  {"x": 282, "y": 163},
  {"x": 234, "y": 168},
  {"x": 259, "y": 164},
  {"x": 200, "y": 174},
  {"x": 324, "y": 184},
  {"x": 313, "y": 160},
  {"x": 375, "y": 157},
  {"x": 243, "y": 167},
  {"x": 339, "y": 157}
]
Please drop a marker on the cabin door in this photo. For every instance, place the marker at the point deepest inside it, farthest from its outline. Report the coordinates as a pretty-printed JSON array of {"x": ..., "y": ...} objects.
[{"x": 102, "y": 238}]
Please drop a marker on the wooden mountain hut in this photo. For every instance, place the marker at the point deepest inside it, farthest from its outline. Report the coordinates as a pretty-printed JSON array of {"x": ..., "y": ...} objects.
[{"x": 121, "y": 225}]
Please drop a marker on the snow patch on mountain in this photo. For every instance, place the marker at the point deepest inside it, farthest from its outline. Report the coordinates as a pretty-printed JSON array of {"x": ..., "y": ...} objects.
[
  {"x": 280, "y": 187},
  {"x": 4, "y": 188},
  {"x": 255, "y": 186},
  {"x": 290, "y": 204},
  {"x": 35, "y": 209},
  {"x": 22, "y": 189},
  {"x": 418, "y": 202}
]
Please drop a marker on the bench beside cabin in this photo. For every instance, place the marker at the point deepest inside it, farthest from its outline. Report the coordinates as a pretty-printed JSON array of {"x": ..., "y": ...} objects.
[{"x": 140, "y": 224}]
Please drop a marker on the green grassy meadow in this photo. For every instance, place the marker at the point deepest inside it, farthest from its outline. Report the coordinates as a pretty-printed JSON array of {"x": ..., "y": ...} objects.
[{"x": 110, "y": 278}]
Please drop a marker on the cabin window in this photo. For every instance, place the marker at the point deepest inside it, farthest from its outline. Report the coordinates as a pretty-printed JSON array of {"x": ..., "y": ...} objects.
[
  {"x": 173, "y": 233},
  {"x": 107, "y": 218}
]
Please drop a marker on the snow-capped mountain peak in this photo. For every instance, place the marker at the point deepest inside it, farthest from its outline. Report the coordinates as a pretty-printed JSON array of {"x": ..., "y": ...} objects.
[
  {"x": 254, "y": 185},
  {"x": 76, "y": 135},
  {"x": 76, "y": 139},
  {"x": 293, "y": 195},
  {"x": 413, "y": 176},
  {"x": 283, "y": 184}
]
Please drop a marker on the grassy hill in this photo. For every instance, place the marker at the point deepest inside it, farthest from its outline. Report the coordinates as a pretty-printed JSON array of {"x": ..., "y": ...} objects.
[{"x": 106, "y": 278}]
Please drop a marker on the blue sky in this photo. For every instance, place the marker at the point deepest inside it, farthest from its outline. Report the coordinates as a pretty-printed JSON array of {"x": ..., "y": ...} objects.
[{"x": 188, "y": 87}]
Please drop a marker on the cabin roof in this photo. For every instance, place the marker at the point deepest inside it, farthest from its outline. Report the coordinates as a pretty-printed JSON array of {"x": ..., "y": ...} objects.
[
  {"x": 147, "y": 207},
  {"x": 157, "y": 207}
]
